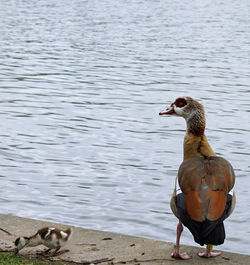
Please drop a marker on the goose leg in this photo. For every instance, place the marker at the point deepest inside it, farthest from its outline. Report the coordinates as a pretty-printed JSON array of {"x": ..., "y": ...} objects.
[
  {"x": 56, "y": 250},
  {"x": 208, "y": 253},
  {"x": 47, "y": 251},
  {"x": 176, "y": 254}
]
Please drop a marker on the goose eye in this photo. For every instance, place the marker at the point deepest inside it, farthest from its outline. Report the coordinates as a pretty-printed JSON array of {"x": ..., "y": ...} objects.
[{"x": 180, "y": 102}]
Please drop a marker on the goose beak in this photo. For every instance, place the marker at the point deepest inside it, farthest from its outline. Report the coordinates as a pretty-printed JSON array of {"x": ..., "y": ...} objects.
[{"x": 168, "y": 111}]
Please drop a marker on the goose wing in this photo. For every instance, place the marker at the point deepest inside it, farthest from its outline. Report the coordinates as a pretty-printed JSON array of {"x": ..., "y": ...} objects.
[{"x": 205, "y": 183}]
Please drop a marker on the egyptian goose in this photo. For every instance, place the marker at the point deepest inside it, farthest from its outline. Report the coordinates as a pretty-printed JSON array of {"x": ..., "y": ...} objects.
[
  {"x": 205, "y": 181},
  {"x": 51, "y": 237}
]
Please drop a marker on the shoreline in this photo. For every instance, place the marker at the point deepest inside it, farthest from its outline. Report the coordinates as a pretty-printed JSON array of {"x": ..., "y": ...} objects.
[{"x": 97, "y": 247}]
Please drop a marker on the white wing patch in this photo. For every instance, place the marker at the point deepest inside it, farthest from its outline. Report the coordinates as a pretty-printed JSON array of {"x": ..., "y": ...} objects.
[
  {"x": 64, "y": 235},
  {"x": 49, "y": 232}
]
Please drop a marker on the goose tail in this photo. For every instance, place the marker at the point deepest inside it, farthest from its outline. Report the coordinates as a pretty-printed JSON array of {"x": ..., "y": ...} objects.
[{"x": 206, "y": 232}]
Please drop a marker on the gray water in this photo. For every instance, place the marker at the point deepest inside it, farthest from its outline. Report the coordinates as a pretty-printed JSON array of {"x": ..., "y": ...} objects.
[{"x": 81, "y": 86}]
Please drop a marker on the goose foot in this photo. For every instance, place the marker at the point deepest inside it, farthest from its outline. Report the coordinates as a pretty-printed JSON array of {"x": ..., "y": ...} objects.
[
  {"x": 208, "y": 254},
  {"x": 177, "y": 255}
]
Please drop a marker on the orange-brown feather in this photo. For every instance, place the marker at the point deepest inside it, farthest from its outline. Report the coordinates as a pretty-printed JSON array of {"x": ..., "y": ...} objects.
[
  {"x": 217, "y": 203},
  {"x": 212, "y": 208},
  {"x": 206, "y": 183},
  {"x": 194, "y": 206}
]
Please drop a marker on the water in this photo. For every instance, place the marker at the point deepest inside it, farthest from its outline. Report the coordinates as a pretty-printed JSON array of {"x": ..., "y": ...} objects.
[{"x": 81, "y": 86}]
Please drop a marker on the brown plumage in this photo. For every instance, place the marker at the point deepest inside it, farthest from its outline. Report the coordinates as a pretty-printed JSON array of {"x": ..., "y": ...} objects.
[
  {"x": 51, "y": 237},
  {"x": 205, "y": 181}
]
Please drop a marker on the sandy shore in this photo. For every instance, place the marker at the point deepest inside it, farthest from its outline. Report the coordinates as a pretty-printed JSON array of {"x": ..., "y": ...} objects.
[{"x": 98, "y": 247}]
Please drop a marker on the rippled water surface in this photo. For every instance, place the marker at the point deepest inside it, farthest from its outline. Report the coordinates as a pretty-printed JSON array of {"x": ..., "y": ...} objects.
[{"x": 81, "y": 86}]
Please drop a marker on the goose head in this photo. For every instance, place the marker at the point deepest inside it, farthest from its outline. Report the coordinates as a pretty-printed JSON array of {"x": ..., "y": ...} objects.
[{"x": 192, "y": 111}]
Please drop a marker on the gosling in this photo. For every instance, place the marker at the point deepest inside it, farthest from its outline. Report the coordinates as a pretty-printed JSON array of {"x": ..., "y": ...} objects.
[{"x": 51, "y": 237}]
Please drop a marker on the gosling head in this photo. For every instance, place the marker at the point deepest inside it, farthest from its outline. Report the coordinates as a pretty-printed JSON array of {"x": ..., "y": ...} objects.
[{"x": 20, "y": 243}]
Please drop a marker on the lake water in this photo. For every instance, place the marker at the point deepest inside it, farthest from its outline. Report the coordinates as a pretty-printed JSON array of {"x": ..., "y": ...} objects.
[{"x": 81, "y": 86}]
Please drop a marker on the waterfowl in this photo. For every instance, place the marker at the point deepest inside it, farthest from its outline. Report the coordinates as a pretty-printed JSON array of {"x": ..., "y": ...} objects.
[
  {"x": 51, "y": 237},
  {"x": 205, "y": 181}
]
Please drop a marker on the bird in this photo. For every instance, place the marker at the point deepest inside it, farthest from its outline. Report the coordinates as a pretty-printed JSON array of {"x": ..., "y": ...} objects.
[
  {"x": 51, "y": 237},
  {"x": 205, "y": 181}
]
